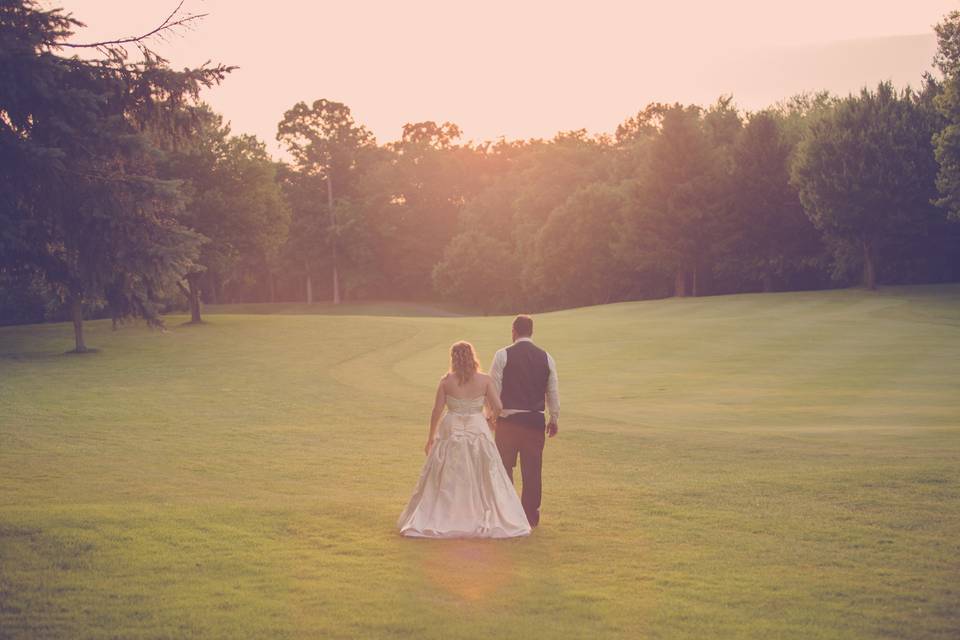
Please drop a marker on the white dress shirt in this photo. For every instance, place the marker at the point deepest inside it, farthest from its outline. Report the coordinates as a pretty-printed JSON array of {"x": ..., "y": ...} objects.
[{"x": 553, "y": 383}]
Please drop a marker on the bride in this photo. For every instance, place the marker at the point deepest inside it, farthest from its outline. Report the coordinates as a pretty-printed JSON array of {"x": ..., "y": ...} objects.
[{"x": 463, "y": 491}]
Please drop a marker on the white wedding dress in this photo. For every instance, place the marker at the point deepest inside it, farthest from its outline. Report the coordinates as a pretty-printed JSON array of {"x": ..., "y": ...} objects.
[{"x": 464, "y": 491}]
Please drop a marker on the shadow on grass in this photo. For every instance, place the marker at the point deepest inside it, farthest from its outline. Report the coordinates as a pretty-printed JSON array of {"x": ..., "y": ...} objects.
[
  {"x": 191, "y": 323},
  {"x": 33, "y": 355},
  {"x": 25, "y": 356},
  {"x": 360, "y": 308},
  {"x": 88, "y": 350}
]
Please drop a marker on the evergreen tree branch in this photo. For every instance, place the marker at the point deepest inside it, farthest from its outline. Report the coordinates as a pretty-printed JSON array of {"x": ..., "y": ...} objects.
[{"x": 170, "y": 22}]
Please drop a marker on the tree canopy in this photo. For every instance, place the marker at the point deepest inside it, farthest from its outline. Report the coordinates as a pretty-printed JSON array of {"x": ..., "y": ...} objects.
[{"x": 124, "y": 195}]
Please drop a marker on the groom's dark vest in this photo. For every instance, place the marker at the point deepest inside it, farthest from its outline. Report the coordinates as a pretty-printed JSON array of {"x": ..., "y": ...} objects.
[{"x": 525, "y": 379}]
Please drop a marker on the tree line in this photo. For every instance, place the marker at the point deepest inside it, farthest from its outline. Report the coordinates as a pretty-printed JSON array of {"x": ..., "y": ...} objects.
[{"x": 123, "y": 195}]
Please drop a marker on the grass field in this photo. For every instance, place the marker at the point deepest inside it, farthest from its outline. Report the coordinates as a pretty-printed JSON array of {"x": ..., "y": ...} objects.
[{"x": 756, "y": 466}]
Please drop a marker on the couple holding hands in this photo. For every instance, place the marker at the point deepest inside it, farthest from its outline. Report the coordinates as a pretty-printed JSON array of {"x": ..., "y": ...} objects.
[{"x": 466, "y": 488}]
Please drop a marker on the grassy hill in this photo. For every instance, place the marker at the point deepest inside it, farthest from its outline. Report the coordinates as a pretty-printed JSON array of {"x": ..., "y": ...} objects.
[{"x": 779, "y": 465}]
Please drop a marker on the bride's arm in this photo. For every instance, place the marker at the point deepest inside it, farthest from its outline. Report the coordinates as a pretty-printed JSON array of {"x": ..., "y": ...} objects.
[
  {"x": 493, "y": 403},
  {"x": 438, "y": 406}
]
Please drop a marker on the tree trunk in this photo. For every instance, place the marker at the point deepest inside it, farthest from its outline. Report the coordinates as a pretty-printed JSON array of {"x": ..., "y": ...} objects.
[
  {"x": 767, "y": 283},
  {"x": 76, "y": 314},
  {"x": 336, "y": 286},
  {"x": 693, "y": 287},
  {"x": 194, "y": 297},
  {"x": 768, "y": 263},
  {"x": 869, "y": 266},
  {"x": 272, "y": 284},
  {"x": 680, "y": 284},
  {"x": 333, "y": 231},
  {"x": 309, "y": 290}
]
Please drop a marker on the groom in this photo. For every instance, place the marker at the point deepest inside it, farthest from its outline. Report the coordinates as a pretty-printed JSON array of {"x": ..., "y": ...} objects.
[{"x": 526, "y": 377}]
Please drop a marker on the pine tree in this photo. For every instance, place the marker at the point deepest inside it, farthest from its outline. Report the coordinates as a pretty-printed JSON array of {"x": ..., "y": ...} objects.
[{"x": 83, "y": 203}]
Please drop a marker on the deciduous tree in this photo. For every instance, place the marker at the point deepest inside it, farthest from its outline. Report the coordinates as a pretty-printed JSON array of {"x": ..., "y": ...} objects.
[
  {"x": 866, "y": 173},
  {"x": 326, "y": 143}
]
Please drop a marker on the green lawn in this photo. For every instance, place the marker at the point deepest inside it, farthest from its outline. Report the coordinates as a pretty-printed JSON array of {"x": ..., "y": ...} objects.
[{"x": 756, "y": 466}]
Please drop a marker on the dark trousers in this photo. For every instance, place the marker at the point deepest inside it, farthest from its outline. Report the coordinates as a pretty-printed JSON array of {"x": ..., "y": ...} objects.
[{"x": 513, "y": 438}]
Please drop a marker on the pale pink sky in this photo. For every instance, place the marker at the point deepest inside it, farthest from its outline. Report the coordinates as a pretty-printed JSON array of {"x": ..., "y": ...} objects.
[{"x": 527, "y": 68}]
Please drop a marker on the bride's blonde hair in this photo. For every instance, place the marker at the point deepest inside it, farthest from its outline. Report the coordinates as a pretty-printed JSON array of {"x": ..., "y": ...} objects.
[{"x": 463, "y": 361}]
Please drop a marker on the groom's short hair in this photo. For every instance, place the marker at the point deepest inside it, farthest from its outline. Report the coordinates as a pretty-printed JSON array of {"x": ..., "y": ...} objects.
[{"x": 523, "y": 326}]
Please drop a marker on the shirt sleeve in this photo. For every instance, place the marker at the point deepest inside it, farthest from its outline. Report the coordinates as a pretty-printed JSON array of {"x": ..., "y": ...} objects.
[
  {"x": 496, "y": 369},
  {"x": 553, "y": 390}
]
